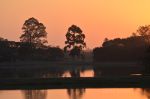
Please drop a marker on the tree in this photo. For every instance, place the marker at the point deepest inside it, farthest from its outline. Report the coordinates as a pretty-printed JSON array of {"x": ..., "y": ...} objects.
[
  {"x": 145, "y": 32},
  {"x": 33, "y": 32},
  {"x": 74, "y": 40},
  {"x": 2, "y": 39},
  {"x": 106, "y": 39},
  {"x": 134, "y": 35}
]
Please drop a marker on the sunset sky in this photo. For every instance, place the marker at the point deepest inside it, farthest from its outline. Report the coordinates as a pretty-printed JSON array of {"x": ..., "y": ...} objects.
[{"x": 97, "y": 18}]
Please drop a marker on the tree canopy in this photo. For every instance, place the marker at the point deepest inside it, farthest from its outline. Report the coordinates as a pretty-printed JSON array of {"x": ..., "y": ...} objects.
[
  {"x": 74, "y": 38},
  {"x": 33, "y": 32},
  {"x": 144, "y": 31}
]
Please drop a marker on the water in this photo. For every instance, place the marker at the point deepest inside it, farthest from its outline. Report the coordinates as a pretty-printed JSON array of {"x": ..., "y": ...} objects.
[
  {"x": 79, "y": 71},
  {"x": 67, "y": 71},
  {"x": 85, "y": 73},
  {"x": 104, "y": 93}
]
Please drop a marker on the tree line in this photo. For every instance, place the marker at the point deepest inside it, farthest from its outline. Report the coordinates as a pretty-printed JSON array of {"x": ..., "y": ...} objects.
[
  {"x": 133, "y": 48},
  {"x": 12, "y": 51},
  {"x": 33, "y": 44}
]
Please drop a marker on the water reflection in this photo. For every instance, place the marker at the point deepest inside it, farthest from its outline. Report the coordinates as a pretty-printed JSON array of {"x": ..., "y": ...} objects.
[
  {"x": 75, "y": 93},
  {"x": 116, "y": 70},
  {"x": 35, "y": 94},
  {"x": 146, "y": 92},
  {"x": 96, "y": 93},
  {"x": 61, "y": 71},
  {"x": 68, "y": 71}
]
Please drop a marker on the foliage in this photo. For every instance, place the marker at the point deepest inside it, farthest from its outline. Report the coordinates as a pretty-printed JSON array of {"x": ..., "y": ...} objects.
[
  {"x": 2, "y": 39},
  {"x": 144, "y": 31},
  {"x": 127, "y": 49},
  {"x": 33, "y": 32},
  {"x": 11, "y": 51},
  {"x": 74, "y": 40}
]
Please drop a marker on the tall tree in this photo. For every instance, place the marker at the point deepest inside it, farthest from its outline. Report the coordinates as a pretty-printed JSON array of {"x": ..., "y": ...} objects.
[
  {"x": 74, "y": 40},
  {"x": 34, "y": 32}
]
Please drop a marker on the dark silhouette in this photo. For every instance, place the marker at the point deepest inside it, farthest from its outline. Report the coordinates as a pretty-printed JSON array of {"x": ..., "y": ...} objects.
[
  {"x": 146, "y": 62},
  {"x": 128, "y": 49},
  {"x": 144, "y": 31},
  {"x": 74, "y": 41},
  {"x": 34, "y": 32},
  {"x": 2, "y": 39},
  {"x": 75, "y": 73},
  {"x": 106, "y": 39},
  {"x": 11, "y": 51},
  {"x": 8, "y": 50},
  {"x": 132, "y": 48},
  {"x": 75, "y": 52},
  {"x": 44, "y": 54}
]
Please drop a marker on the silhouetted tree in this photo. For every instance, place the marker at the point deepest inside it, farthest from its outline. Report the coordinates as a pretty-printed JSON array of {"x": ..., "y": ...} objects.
[
  {"x": 34, "y": 32},
  {"x": 133, "y": 34},
  {"x": 126, "y": 49},
  {"x": 74, "y": 40},
  {"x": 2, "y": 39},
  {"x": 106, "y": 39},
  {"x": 144, "y": 31}
]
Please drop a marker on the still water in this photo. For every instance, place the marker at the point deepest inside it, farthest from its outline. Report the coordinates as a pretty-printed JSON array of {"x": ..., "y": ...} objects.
[
  {"x": 74, "y": 71},
  {"x": 106, "y": 93},
  {"x": 84, "y": 93}
]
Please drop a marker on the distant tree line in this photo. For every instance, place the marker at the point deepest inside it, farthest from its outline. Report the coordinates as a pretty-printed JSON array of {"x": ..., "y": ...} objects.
[
  {"x": 32, "y": 45},
  {"x": 12, "y": 51},
  {"x": 133, "y": 48}
]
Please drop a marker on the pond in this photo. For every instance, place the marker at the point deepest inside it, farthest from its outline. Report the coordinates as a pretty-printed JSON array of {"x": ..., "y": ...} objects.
[{"x": 98, "y": 93}]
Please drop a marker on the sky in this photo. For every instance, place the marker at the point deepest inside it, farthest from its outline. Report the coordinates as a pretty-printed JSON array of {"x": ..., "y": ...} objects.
[{"x": 97, "y": 18}]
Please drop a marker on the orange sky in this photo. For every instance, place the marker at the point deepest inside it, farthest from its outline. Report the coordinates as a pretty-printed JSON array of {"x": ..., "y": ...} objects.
[{"x": 97, "y": 18}]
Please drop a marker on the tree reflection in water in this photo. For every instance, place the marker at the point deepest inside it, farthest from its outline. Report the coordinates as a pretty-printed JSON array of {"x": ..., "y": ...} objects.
[
  {"x": 35, "y": 94},
  {"x": 146, "y": 92},
  {"x": 75, "y": 93}
]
